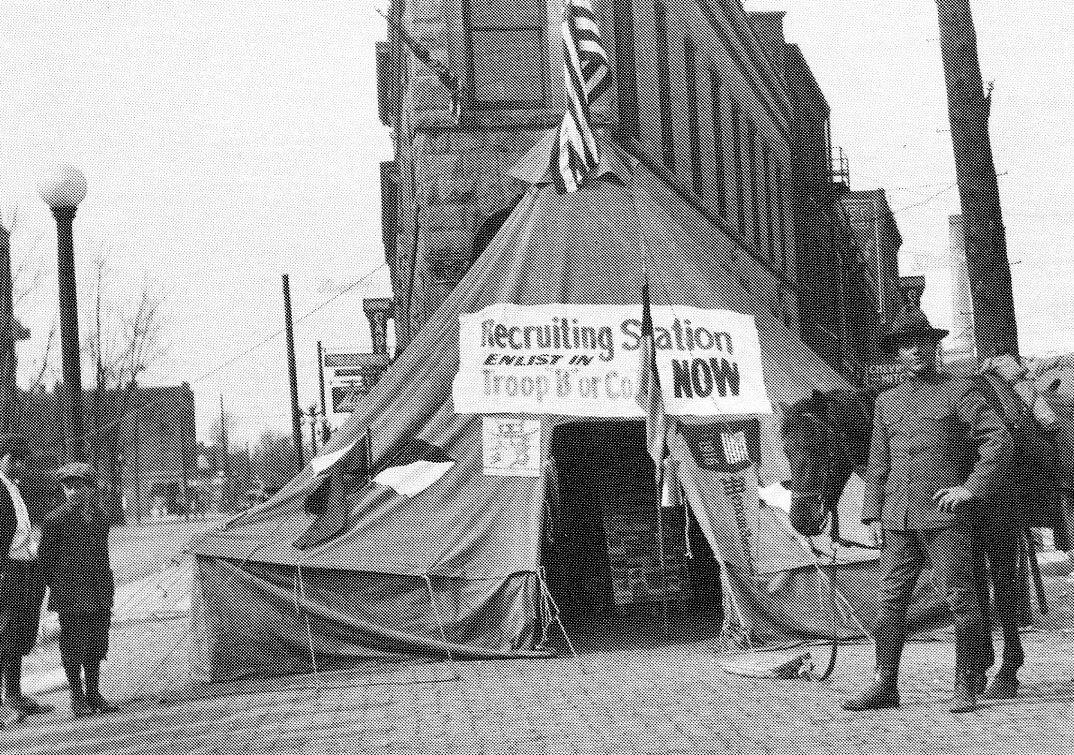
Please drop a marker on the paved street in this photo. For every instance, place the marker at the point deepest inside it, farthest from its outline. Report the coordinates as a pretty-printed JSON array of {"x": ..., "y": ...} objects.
[
  {"x": 655, "y": 699},
  {"x": 649, "y": 696}
]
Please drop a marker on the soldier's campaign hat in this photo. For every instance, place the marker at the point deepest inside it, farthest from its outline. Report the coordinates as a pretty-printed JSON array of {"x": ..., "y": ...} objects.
[
  {"x": 909, "y": 325},
  {"x": 77, "y": 470}
]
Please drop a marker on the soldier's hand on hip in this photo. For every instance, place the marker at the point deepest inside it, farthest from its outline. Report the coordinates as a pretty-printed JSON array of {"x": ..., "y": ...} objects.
[{"x": 949, "y": 500}]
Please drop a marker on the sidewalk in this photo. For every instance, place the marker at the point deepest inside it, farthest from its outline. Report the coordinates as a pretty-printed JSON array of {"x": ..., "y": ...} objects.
[
  {"x": 657, "y": 698},
  {"x": 153, "y": 599}
]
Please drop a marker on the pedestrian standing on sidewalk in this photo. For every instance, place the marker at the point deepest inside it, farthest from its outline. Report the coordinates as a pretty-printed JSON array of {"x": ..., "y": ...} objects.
[
  {"x": 22, "y": 586},
  {"x": 79, "y": 574},
  {"x": 938, "y": 457}
]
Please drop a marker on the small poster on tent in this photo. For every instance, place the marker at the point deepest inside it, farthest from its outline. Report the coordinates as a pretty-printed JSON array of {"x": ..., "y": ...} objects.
[
  {"x": 726, "y": 447},
  {"x": 512, "y": 447},
  {"x": 718, "y": 469},
  {"x": 584, "y": 360}
]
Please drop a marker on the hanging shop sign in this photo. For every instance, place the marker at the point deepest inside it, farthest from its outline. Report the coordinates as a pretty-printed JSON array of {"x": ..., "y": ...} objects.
[
  {"x": 350, "y": 376},
  {"x": 584, "y": 360}
]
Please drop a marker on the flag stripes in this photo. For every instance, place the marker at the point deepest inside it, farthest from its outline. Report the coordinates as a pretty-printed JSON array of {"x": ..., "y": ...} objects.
[
  {"x": 586, "y": 77},
  {"x": 649, "y": 396}
]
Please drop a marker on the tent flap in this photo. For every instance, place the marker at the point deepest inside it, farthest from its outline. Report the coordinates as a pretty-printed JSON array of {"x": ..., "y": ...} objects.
[{"x": 257, "y": 620}]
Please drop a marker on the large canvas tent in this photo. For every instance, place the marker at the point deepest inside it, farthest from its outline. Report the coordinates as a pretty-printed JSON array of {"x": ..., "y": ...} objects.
[{"x": 455, "y": 567}]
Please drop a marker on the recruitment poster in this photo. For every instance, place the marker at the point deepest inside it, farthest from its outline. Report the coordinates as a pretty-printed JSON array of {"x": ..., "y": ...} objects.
[{"x": 584, "y": 360}]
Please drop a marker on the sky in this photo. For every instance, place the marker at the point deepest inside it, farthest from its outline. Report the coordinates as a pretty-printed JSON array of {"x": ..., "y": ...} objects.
[{"x": 225, "y": 144}]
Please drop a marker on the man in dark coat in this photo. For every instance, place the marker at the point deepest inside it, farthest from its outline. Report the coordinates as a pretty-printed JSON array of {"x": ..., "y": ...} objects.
[
  {"x": 938, "y": 457},
  {"x": 22, "y": 587}
]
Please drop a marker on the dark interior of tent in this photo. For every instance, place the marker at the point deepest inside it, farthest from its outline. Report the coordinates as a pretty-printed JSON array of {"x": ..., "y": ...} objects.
[{"x": 601, "y": 549}]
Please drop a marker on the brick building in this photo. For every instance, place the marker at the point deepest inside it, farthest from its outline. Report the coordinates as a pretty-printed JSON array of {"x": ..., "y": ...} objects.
[
  {"x": 836, "y": 302},
  {"x": 877, "y": 235},
  {"x": 710, "y": 97},
  {"x": 148, "y": 430}
]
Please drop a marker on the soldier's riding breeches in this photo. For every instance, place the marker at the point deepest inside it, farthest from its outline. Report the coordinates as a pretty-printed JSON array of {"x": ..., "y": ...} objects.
[{"x": 949, "y": 550}]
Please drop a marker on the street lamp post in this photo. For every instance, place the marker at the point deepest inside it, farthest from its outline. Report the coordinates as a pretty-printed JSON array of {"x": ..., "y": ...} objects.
[
  {"x": 63, "y": 187},
  {"x": 8, "y": 393}
]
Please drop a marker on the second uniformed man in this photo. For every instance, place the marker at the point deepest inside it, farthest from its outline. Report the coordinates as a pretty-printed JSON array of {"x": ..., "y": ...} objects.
[{"x": 939, "y": 452}]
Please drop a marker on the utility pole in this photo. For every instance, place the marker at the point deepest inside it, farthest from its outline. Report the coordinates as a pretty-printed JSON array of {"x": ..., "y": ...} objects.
[
  {"x": 313, "y": 430},
  {"x": 994, "y": 326},
  {"x": 326, "y": 433},
  {"x": 225, "y": 482},
  {"x": 296, "y": 413},
  {"x": 98, "y": 392}
]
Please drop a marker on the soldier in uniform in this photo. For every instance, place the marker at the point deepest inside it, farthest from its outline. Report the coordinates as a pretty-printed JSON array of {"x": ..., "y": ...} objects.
[{"x": 938, "y": 456}]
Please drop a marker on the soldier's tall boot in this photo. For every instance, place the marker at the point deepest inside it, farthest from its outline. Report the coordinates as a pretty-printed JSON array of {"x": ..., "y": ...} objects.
[
  {"x": 964, "y": 698},
  {"x": 883, "y": 692},
  {"x": 1004, "y": 684}
]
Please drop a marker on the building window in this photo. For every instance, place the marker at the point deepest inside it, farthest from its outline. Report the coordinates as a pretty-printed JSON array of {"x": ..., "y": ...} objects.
[
  {"x": 740, "y": 177},
  {"x": 781, "y": 217},
  {"x": 447, "y": 267},
  {"x": 626, "y": 72},
  {"x": 508, "y": 53},
  {"x": 663, "y": 81},
  {"x": 751, "y": 153},
  {"x": 690, "y": 57},
  {"x": 769, "y": 203},
  {"x": 717, "y": 141}
]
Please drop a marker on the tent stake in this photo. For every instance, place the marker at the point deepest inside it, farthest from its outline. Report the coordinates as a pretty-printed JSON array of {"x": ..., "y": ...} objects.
[
  {"x": 300, "y": 592},
  {"x": 440, "y": 625},
  {"x": 559, "y": 623}
]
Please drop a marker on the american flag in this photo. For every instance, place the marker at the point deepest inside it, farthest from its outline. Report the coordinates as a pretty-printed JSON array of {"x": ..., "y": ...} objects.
[
  {"x": 735, "y": 447},
  {"x": 586, "y": 75},
  {"x": 649, "y": 395}
]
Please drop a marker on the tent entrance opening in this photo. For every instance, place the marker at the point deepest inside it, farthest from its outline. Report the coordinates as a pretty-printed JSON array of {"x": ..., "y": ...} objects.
[{"x": 602, "y": 551}]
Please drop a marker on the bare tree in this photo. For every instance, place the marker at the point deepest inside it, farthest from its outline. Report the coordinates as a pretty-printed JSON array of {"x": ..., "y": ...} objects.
[
  {"x": 121, "y": 340},
  {"x": 43, "y": 369},
  {"x": 124, "y": 340}
]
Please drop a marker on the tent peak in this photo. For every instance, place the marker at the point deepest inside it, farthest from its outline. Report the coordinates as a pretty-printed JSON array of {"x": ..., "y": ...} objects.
[{"x": 535, "y": 166}]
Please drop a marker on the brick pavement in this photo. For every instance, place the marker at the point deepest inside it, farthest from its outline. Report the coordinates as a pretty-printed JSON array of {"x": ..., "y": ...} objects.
[
  {"x": 650, "y": 699},
  {"x": 642, "y": 696}
]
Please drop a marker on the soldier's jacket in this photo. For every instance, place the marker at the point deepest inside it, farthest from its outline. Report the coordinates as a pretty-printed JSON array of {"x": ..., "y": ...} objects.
[{"x": 932, "y": 433}]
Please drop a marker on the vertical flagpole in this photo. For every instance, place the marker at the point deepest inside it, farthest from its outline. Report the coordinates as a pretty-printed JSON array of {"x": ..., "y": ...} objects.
[
  {"x": 663, "y": 554},
  {"x": 660, "y": 482}
]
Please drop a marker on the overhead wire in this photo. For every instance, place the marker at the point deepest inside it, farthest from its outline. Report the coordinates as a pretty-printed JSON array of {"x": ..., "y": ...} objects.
[{"x": 241, "y": 355}]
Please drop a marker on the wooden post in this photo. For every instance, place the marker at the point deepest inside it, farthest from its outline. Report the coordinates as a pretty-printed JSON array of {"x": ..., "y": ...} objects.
[
  {"x": 995, "y": 329},
  {"x": 326, "y": 433},
  {"x": 296, "y": 413}
]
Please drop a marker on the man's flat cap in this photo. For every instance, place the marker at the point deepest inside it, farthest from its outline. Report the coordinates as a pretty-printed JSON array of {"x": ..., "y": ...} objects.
[{"x": 77, "y": 470}]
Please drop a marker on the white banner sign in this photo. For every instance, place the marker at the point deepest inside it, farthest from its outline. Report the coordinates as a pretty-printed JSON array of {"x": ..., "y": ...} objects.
[{"x": 583, "y": 360}]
